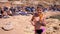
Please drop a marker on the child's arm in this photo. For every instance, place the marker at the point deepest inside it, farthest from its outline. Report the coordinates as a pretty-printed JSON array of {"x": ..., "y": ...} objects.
[
  {"x": 44, "y": 18},
  {"x": 32, "y": 21}
]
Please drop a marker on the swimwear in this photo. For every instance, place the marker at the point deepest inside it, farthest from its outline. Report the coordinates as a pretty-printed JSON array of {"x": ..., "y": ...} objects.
[{"x": 38, "y": 31}]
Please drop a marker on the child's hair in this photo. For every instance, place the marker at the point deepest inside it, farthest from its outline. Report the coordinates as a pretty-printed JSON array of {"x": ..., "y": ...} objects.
[{"x": 39, "y": 8}]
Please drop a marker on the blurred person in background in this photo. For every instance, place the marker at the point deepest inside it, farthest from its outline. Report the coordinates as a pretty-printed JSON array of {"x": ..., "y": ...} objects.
[
  {"x": 12, "y": 9},
  {"x": 1, "y": 12},
  {"x": 5, "y": 12}
]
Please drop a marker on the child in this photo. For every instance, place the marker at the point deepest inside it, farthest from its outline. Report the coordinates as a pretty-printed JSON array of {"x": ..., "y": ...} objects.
[{"x": 38, "y": 21}]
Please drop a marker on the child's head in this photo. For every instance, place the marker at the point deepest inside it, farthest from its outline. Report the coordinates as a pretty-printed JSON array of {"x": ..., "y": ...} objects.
[{"x": 39, "y": 9}]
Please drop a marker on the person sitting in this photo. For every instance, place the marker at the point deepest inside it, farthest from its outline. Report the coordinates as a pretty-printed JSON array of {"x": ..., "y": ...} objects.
[
  {"x": 5, "y": 12},
  {"x": 12, "y": 9},
  {"x": 0, "y": 12}
]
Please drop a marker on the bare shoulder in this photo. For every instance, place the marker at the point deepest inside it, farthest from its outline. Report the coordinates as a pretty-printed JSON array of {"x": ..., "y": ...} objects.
[{"x": 44, "y": 15}]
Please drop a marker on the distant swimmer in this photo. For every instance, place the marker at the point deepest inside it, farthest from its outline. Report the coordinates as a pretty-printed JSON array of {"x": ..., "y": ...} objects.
[{"x": 38, "y": 21}]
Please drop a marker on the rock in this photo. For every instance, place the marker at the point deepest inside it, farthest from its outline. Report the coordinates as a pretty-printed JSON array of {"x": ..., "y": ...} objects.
[
  {"x": 53, "y": 26},
  {"x": 8, "y": 27},
  {"x": 59, "y": 24}
]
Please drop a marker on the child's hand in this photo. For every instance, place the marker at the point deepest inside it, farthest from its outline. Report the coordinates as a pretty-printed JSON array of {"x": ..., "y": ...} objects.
[{"x": 32, "y": 23}]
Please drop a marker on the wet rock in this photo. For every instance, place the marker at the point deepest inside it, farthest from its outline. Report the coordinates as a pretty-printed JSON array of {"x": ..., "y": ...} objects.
[
  {"x": 8, "y": 27},
  {"x": 55, "y": 28},
  {"x": 59, "y": 24}
]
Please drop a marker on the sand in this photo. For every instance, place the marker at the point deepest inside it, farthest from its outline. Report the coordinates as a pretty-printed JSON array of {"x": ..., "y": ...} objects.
[{"x": 22, "y": 25}]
